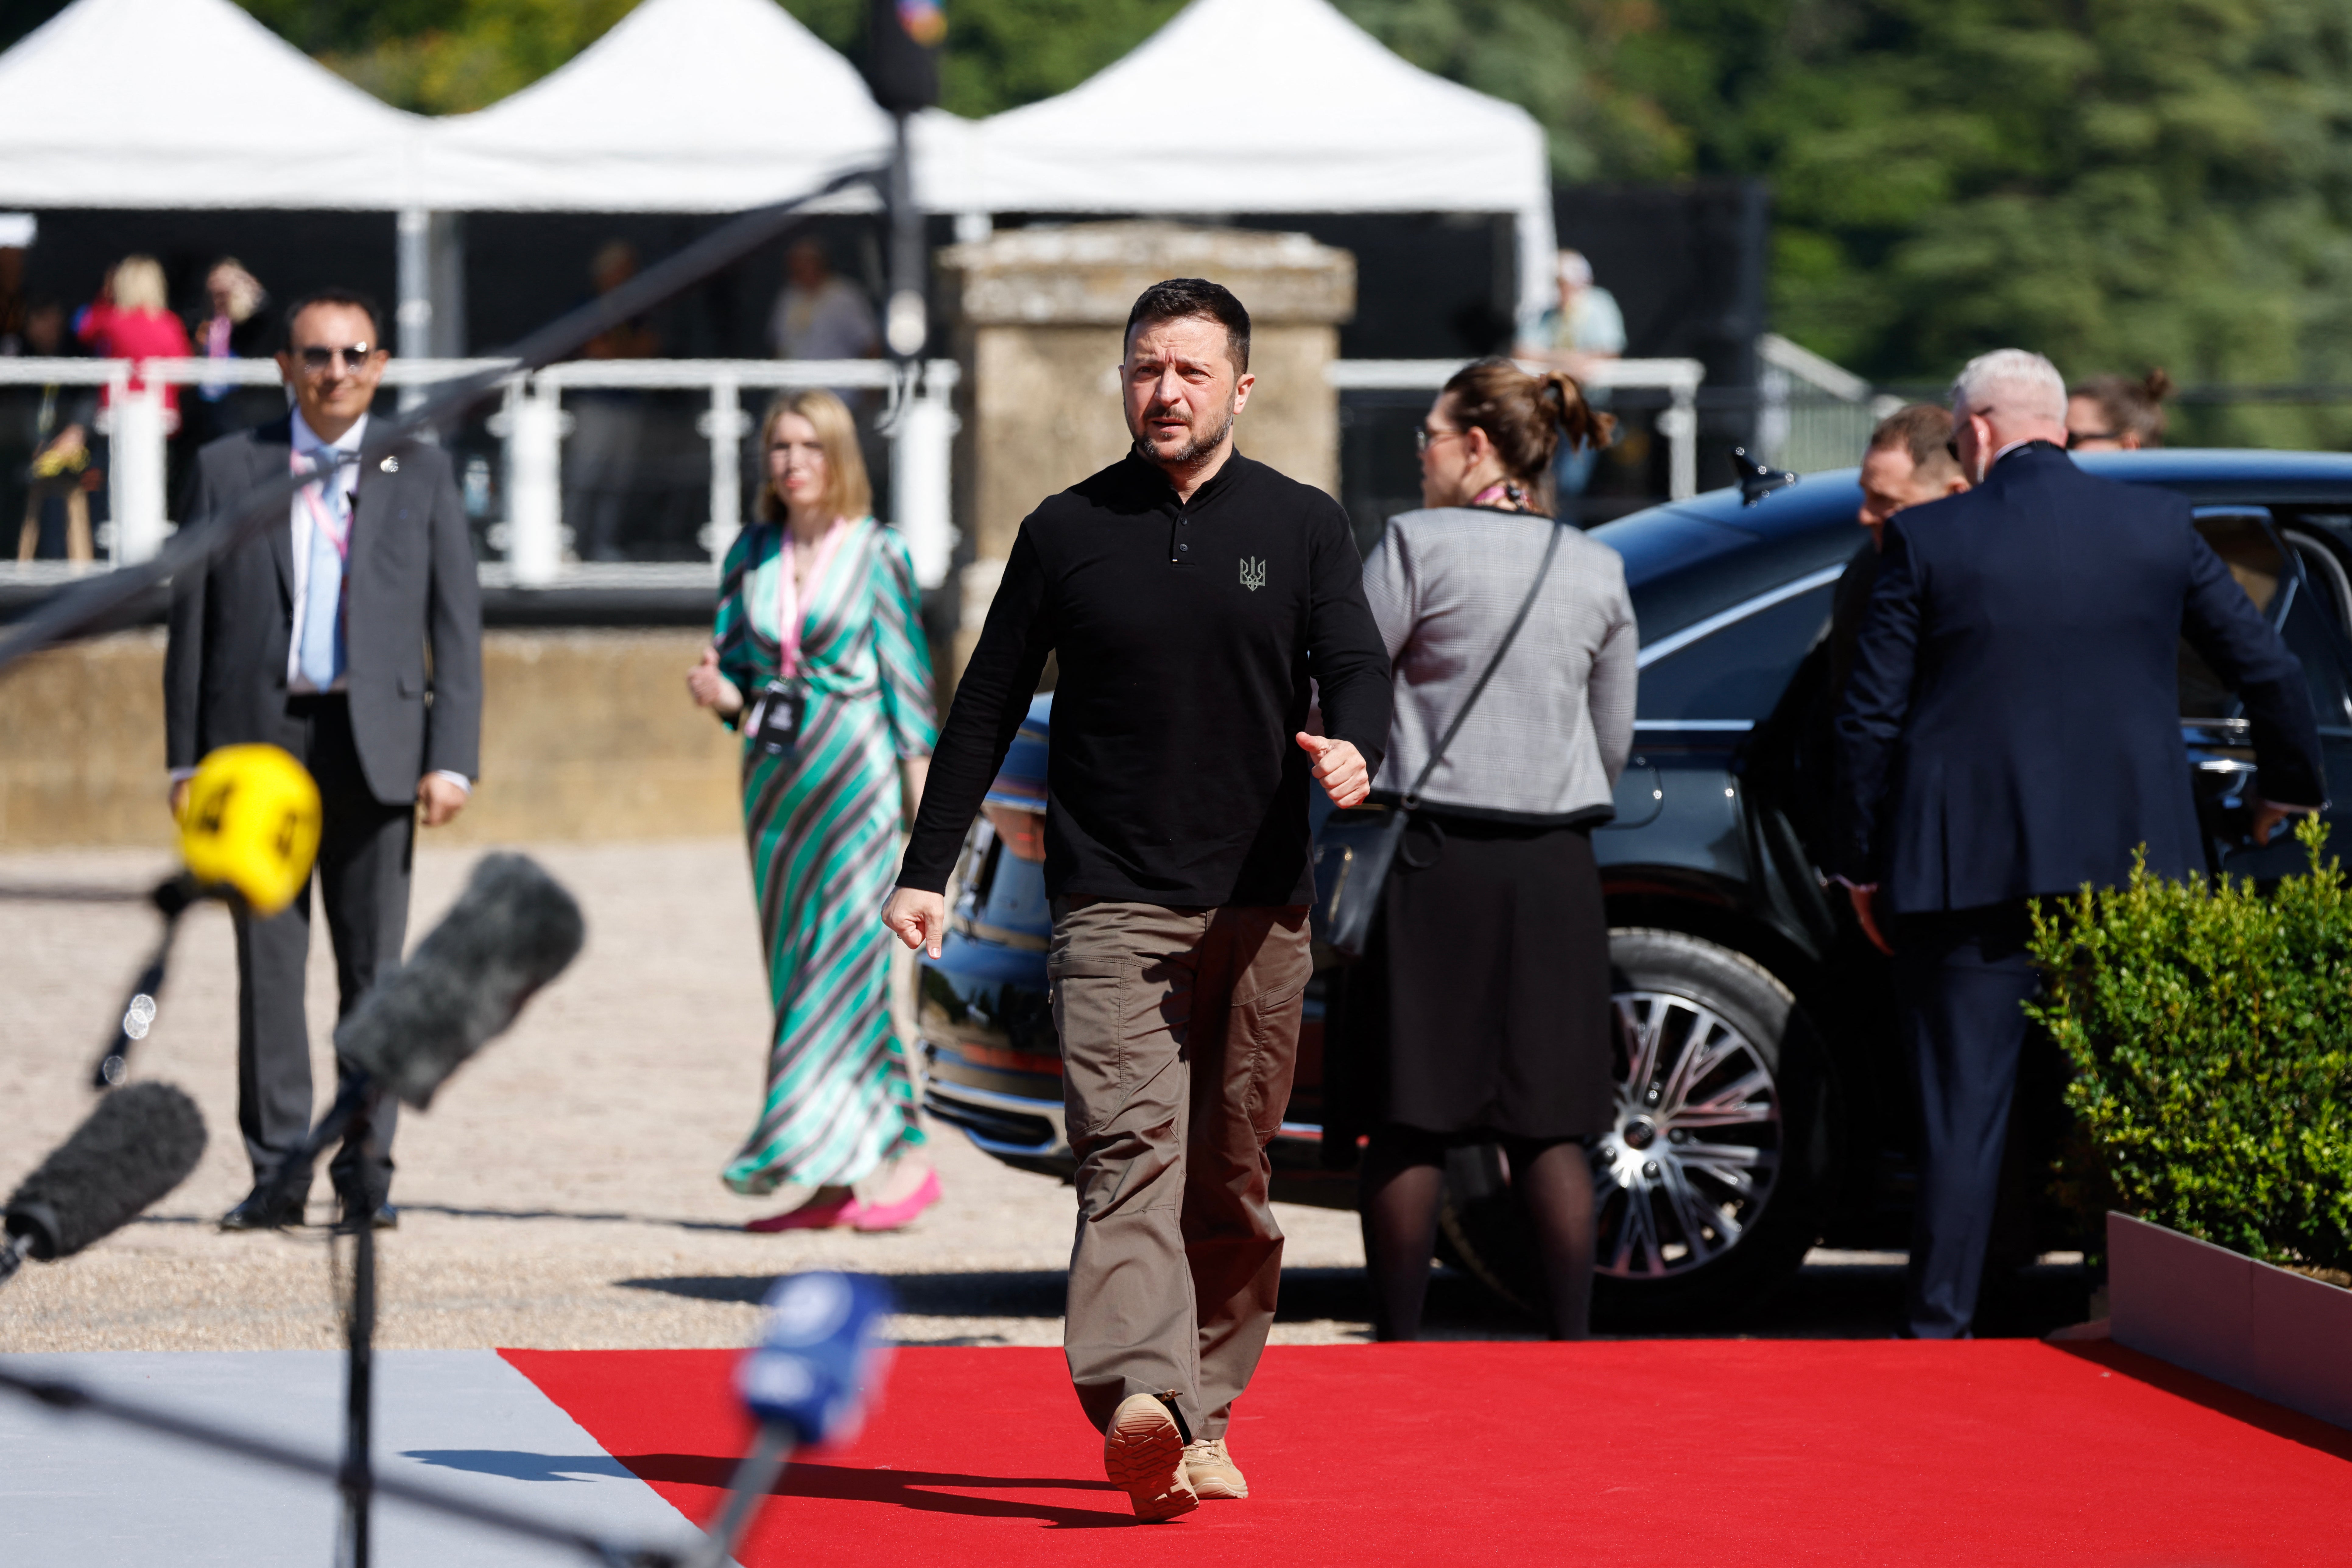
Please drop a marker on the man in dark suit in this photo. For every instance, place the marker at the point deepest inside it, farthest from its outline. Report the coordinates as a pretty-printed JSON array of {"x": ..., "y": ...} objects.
[
  {"x": 350, "y": 633},
  {"x": 1908, "y": 462},
  {"x": 2010, "y": 730}
]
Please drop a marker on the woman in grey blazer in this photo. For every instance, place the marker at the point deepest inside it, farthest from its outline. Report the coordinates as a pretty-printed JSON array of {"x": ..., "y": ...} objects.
[{"x": 1481, "y": 1012}]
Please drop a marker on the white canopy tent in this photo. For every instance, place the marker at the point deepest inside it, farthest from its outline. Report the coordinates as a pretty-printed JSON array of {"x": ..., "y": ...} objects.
[
  {"x": 190, "y": 103},
  {"x": 684, "y": 106},
  {"x": 1286, "y": 106}
]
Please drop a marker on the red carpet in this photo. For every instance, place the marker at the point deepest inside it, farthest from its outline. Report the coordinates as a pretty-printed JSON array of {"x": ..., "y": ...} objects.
[{"x": 1714, "y": 1453}]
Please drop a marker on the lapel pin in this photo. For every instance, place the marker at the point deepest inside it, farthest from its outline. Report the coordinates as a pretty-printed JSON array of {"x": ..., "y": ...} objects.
[{"x": 390, "y": 465}]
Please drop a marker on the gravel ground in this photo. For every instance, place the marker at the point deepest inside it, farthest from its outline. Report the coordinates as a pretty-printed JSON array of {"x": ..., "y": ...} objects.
[{"x": 563, "y": 1190}]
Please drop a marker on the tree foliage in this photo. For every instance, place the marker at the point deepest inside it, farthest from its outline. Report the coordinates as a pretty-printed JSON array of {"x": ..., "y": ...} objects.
[{"x": 2120, "y": 182}]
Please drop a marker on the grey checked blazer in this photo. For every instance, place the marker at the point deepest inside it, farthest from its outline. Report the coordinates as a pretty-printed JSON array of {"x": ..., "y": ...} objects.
[
  {"x": 1552, "y": 732},
  {"x": 412, "y": 592}
]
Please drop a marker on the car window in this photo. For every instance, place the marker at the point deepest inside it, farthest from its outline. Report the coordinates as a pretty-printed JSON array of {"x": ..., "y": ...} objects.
[
  {"x": 1738, "y": 670},
  {"x": 2316, "y": 606}
]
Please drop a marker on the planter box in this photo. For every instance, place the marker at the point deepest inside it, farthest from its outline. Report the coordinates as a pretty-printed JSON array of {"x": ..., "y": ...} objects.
[{"x": 2275, "y": 1334}]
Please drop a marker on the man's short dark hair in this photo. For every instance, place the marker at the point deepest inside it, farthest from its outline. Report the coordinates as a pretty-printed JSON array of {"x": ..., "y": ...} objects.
[
  {"x": 333, "y": 295},
  {"x": 1176, "y": 297},
  {"x": 1923, "y": 430}
]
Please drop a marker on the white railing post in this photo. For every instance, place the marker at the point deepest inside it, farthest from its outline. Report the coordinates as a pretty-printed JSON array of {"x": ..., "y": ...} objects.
[
  {"x": 922, "y": 452},
  {"x": 1679, "y": 425},
  {"x": 723, "y": 425},
  {"x": 535, "y": 485},
  {"x": 135, "y": 482}
]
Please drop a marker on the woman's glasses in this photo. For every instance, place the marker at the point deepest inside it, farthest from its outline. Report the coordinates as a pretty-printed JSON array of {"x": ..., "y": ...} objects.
[{"x": 1424, "y": 437}]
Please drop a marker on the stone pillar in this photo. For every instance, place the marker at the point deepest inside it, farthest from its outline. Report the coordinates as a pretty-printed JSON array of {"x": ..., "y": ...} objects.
[{"x": 1037, "y": 314}]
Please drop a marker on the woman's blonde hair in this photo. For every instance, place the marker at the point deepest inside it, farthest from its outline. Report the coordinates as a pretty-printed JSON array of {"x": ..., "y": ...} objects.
[
  {"x": 139, "y": 284},
  {"x": 848, "y": 492}
]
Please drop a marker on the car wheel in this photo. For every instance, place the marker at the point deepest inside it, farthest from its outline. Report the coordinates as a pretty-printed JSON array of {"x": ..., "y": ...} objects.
[{"x": 1708, "y": 1184}]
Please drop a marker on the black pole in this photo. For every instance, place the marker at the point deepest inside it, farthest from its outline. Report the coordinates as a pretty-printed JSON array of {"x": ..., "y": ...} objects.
[
  {"x": 905, "y": 323},
  {"x": 359, "y": 1372},
  {"x": 359, "y": 1484}
]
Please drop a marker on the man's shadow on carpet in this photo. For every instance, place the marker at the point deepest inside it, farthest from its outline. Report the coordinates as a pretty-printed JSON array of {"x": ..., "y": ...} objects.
[
  {"x": 837, "y": 1483},
  {"x": 899, "y": 1489}
]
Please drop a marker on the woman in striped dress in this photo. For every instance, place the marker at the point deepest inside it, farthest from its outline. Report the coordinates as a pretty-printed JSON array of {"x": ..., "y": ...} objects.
[{"x": 818, "y": 658}]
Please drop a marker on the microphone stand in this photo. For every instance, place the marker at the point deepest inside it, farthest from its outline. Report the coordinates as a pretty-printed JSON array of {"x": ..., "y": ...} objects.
[
  {"x": 173, "y": 898},
  {"x": 358, "y": 1479},
  {"x": 356, "y": 1476},
  {"x": 747, "y": 1489}
]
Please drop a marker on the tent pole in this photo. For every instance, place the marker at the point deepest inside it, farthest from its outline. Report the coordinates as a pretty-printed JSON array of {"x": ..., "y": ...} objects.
[{"x": 415, "y": 314}]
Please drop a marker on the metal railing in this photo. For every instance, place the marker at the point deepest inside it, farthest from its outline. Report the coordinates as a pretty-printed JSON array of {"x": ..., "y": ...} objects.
[
  {"x": 920, "y": 419},
  {"x": 527, "y": 543}
]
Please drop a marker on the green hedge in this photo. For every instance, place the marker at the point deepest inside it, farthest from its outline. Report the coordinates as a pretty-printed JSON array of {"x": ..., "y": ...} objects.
[{"x": 2210, "y": 1033}]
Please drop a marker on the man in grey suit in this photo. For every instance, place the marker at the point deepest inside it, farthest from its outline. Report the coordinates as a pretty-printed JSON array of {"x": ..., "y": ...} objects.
[{"x": 350, "y": 633}]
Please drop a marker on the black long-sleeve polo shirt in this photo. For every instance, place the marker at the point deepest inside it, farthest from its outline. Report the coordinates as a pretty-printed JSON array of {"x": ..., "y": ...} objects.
[{"x": 1187, "y": 632}]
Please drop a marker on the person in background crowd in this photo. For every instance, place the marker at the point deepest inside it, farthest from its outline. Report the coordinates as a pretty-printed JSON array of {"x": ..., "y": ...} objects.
[
  {"x": 232, "y": 327},
  {"x": 2011, "y": 731},
  {"x": 1481, "y": 1012},
  {"x": 818, "y": 658},
  {"x": 131, "y": 319},
  {"x": 1186, "y": 592},
  {"x": 600, "y": 458},
  {"x": 12, "y": 305},
  {"x": 61, "y": 473},
  {"x": 2117, "y": 414},
  {"x": 819, "y": 315},
  {"x": 1585, "y": 329},
  {"x": 349, "y": 635},
  {"x": 1909, "y": 461}
]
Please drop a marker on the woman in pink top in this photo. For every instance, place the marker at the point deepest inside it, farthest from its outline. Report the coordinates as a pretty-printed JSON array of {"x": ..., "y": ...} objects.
[{"x": 128, "y": 321}]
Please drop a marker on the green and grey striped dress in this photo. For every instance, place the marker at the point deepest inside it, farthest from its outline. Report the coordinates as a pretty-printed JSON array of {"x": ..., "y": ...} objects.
[{"x": 824, "y": 831}]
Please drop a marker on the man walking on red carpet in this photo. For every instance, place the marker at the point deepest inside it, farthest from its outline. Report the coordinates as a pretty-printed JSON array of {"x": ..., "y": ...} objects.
[{"x": 1189, "y": 591}]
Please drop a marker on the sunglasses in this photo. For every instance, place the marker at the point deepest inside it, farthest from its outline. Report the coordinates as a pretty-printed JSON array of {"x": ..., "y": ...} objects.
[
  {"x": 315, "y": 360},
  {"x": 1424, "y": 437},
  {"x": 2076, "y": 438}
]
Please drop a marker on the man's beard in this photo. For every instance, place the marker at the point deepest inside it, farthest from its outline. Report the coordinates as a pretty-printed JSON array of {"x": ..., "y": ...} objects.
[{"x": 1191, "y": 451}]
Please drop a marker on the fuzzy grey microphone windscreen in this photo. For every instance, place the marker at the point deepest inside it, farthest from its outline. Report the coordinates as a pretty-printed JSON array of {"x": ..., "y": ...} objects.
[
  {"x": 513, "y": 931},
  {"x": 140, "y": 1143}
]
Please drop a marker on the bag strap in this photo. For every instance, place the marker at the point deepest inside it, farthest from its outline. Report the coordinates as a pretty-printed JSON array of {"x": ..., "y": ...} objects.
[{"x": 1438, "y": 754}]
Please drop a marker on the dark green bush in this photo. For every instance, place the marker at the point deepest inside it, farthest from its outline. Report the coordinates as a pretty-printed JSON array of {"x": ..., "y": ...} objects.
[{"x": 2210, "y": 1035}]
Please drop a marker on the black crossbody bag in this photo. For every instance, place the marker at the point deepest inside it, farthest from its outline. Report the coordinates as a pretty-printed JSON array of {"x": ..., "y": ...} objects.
[{"x": 1356, "y": 848}]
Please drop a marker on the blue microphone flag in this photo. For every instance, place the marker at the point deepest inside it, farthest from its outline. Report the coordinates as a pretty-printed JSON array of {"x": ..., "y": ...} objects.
[{"x": 821, "y": 1358}]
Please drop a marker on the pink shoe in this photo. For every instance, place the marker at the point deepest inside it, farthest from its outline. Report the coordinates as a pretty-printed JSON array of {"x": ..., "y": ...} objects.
[
  {"x": 827, "y": 1216},
  {"x": 893, "y": 1216}
]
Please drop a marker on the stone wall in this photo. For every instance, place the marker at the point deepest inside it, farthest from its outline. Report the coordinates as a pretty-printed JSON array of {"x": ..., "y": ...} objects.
[
  {"x": 1037, "y": 316},
  {"x": 585, "y": 735}
]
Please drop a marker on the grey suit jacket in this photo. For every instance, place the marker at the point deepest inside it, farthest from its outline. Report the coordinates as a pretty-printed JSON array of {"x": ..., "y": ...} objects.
[{"x": 414, "y": 619}]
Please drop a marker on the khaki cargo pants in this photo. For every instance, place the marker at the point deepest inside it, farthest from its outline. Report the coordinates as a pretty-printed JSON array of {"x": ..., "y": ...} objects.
[{"x": 1180, "y": 1029}]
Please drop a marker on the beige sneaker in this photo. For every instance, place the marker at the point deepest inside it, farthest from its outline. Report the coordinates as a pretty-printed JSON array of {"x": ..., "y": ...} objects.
[
  {"x": 1213, "y": 1472},
  {"x": 1143, "y": 1454}
]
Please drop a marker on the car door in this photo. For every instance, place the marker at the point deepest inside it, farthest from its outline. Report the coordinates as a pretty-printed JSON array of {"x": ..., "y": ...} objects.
[{"x": 2291, "y": 567}]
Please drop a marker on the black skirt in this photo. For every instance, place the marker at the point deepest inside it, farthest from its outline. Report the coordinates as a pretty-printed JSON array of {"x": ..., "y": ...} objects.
[{"x": 1482, "y": 1002}]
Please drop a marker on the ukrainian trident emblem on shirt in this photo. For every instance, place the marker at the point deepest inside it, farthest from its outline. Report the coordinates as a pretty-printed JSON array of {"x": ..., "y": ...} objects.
[{"x": 1252, "y": 574}]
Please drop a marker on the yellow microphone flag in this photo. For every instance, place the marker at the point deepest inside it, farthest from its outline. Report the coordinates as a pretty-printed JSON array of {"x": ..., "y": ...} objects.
[{"x": 251, "y": 823}]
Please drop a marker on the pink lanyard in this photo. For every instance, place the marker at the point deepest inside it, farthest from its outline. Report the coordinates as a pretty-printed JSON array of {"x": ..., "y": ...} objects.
[
  {"x": 322, "y": 516},
  {"x": 788, "y": 599}
]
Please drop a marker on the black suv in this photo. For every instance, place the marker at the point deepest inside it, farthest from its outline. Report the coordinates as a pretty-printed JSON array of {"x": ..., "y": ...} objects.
[{"x": 1763, "y": 1105}]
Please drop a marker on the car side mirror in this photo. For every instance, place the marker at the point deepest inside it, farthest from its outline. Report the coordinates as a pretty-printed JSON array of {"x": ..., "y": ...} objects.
[{"x": 1756, "y": 480}]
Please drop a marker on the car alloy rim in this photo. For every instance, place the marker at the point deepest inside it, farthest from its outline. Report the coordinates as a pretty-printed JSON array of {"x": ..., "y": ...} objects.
[{"x": 1689, "y": 1166}]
